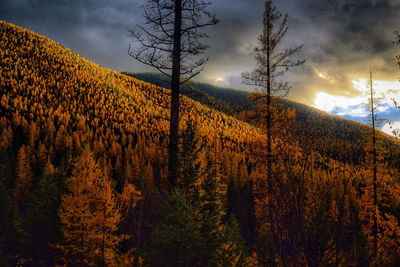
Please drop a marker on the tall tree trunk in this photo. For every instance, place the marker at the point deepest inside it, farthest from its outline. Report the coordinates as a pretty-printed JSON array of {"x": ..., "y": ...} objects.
[
  {"x": 82, "y": 257},
  {"x": 269, "y": 125},
  {"x": 375, "y": 227},
  {"x": 104, "y": 233},
  {"x": 269, "y": 145},
  {"x": 175, "y": 84}
]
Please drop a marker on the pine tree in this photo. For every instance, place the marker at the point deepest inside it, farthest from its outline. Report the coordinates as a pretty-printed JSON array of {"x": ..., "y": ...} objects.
[
  {"x": 374, "y": 172},
  {"x": 234, "y": 247},
  {"x": 190, "y": 162},
  {"x": 211, "y": 211},
  {"x": 272, "y": 63},
  {"x": 379, "y": 207},
  {"x": 8, "y": 225},
  {"x": 23, "y": 181},
  {"x": 90, "y": 216},
  {"x": 177, "y": 241},
  {"x": 108, "y": 220},
  {"x": 221, "y": 242},
  {"x": 41, "y": 220},
  {"x": 374, "y": 165},
  {"x": 76, "y": 215},
  {"x": 240, "y": 201}
]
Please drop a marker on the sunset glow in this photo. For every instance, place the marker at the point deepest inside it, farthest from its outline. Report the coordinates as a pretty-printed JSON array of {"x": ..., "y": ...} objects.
[
  {"x": 386, "y": 91},
  {"x": 354, "y": 106}
]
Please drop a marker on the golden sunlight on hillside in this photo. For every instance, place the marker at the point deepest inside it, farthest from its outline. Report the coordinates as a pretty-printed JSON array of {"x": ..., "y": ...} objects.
[{"x": 106, "y": 165}]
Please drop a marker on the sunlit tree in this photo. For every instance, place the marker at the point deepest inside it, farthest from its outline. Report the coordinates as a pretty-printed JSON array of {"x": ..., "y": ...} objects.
[
  {"x": 23, "y": 182},
  {"x": 90, "y": 215},
  {"x": 272, "y": 63}
]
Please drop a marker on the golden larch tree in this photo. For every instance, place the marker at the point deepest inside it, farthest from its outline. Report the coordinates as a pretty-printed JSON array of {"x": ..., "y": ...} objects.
[
  {"x": 90, "y": 215},
  {"x": 24, "y": 175}
]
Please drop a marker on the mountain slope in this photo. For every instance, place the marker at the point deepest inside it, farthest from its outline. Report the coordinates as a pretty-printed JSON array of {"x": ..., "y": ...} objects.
[
  {"x": 335, "y": 137},
  {"x": 56, "y": 106},
  {"x": 227, "y": 100},
  {"x": 54, "y": 97}
]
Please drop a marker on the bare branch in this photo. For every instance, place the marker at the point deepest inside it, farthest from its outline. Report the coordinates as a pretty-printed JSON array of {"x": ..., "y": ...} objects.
[
  {"x": 271, "y": 60},
  {"x": 170, "y": 42}
]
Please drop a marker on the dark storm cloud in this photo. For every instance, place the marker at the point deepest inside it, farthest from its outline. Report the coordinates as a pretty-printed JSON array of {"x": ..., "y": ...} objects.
[
  {"x": 341, "y": 38},
  {"x": 360, "y": 28},
  {"x": 96, "y": 29}
]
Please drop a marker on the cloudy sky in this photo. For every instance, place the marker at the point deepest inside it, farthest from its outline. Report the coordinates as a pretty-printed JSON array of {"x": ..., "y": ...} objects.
[{"x": 342, "y": 40}]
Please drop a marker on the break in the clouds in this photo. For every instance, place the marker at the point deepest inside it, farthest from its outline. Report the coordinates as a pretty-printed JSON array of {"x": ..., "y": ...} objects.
[
  {"x": 356, "y": 107},
  {"x": 342, "y": 40}
]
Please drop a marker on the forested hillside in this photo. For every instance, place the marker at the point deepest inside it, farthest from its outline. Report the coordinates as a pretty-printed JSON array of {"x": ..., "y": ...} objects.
[
  {"x": 55, "y": 105},
  {"x": 83, "y": 177},
  {"x": 333, "y": 136},
  {"x": 229, "y": 101}
]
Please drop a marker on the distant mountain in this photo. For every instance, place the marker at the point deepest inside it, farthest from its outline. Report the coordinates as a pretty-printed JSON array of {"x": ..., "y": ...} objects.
[
  {"x": 230, "y": 101},
  {"x": 333, "y": 136}
]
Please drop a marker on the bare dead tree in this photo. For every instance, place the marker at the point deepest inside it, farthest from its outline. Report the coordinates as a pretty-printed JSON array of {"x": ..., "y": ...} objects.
[
  {"x": 374, "y": 122},
  {"x": 273, "y": 62},
  {"x": 170, "y": 41},
  {"x": 372, "y": 109}
]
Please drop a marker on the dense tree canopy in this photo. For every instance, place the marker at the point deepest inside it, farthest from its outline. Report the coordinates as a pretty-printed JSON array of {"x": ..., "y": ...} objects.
[{"x": 83, "y": 176}]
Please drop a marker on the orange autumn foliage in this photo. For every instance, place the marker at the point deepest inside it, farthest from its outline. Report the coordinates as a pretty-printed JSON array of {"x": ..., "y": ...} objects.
[{"x": 90, "y": 215}]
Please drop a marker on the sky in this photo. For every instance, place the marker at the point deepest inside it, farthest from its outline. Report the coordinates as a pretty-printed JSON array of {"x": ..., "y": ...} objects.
[{"x": 342, "y": 40}]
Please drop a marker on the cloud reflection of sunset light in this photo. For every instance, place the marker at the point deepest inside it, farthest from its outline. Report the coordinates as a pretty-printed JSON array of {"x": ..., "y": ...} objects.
[
  {"x": 354, "y": 106},
  {"x": 385, "y": 90}
]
